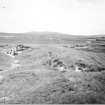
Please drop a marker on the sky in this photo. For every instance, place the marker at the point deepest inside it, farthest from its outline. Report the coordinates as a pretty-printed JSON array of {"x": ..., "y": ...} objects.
[{"x": 76, "y": 17}]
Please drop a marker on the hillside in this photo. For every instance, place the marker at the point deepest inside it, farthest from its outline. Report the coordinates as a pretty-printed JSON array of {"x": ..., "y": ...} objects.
[{"x": 52, "y": 68}]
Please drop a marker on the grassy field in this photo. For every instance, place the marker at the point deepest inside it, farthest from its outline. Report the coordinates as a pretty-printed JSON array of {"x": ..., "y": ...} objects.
[{"x": 52, "y": 68}]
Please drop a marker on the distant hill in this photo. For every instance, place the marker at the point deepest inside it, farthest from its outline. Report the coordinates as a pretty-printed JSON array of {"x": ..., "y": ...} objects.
[{"x": 43, "y": 37}]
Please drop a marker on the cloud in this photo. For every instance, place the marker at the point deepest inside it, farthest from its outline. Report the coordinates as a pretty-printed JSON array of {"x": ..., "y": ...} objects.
[{"x": 98, "y": 2}]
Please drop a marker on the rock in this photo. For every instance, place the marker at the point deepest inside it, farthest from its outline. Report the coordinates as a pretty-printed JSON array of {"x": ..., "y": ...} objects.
[
  {"x": 57, "y": 64},
  {"x": 21, "y": 47}
]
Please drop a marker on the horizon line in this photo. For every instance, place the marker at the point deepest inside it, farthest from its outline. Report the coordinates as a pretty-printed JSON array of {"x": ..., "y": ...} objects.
[{"x": 51, "y": 32}]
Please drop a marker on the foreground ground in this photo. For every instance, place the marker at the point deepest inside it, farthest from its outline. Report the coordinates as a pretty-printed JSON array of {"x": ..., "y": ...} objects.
[{"x": 52, "y": 69}]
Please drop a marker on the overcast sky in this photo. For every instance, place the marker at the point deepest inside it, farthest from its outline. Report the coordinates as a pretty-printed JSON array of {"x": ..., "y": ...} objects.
[{"x": 66, "y": 16}]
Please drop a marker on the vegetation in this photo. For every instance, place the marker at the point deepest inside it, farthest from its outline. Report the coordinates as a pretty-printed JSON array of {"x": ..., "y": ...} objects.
[{"x": 47, "y": 69}]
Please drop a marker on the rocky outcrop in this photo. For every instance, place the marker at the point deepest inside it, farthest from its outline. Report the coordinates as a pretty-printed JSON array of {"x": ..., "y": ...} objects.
[
  {"x": 21, "y": 47},
  {"x": 84, "y": 67},
  {"x": 16, "y": 50},
  {"x": 56, "y": 64},
  {"x": 12, "y": 52}
]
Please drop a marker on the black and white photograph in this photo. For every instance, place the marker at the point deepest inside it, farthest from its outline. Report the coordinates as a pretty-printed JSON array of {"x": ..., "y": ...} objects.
[{"x": 52, "y": 52}]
